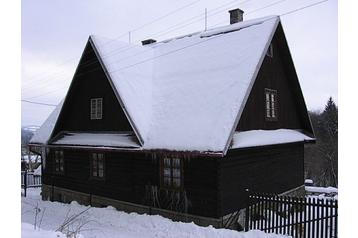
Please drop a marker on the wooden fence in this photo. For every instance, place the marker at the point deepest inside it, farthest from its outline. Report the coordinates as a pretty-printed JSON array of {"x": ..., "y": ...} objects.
[
  {"x": 30, "y": 180},
  {"x": 294, "y": 216}
]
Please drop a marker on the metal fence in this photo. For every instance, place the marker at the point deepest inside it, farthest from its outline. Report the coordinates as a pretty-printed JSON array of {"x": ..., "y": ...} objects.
[
  {"x": 30, "y": 180},
  {"x": 295, "y": 216}
]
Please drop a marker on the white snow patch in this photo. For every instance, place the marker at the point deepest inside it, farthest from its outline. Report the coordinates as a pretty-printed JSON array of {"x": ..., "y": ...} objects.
[
  {"x": 28, "y": 231},
  {"x": 313, "y": 189},
  {"x": 38, "y": 171},
  {"x": 267, "y": 137},
  {"x": 108, "y": 222},
  {"x": 97, "y": 139},
  {"x": 30, "y": 158},
  {"x": 235, "y": 27}
]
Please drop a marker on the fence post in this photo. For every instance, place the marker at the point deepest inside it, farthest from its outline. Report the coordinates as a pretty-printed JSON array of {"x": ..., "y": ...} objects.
[
  {"x": 25, "y": 182},
  {"x": 247, "y": 209}
]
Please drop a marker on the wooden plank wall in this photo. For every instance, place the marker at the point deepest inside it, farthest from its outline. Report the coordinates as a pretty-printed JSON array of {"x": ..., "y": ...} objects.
[
  {"x": 275, "y": 73},
  {"x": 89, "y": 82},
  {"x": 127, "y": 174},
  {"x": 273, "y": 169}
]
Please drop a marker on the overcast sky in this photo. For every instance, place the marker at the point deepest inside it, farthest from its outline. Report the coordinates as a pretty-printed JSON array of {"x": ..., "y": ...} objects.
[{"x": 55, "y": 32}]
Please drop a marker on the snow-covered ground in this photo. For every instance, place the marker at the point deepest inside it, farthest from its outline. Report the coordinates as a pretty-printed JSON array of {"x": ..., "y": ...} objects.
[
  {"x": 28, "y": 231},
  {"x": 108, "y": 222}
]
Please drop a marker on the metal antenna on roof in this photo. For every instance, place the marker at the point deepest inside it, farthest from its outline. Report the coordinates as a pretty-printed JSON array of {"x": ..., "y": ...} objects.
[{"x": 206, "y": 19}]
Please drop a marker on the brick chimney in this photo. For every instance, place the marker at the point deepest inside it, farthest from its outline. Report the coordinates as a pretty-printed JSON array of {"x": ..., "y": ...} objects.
[
  {"x": 236, "y": 15},
  {"x": 149, "y": 41}
]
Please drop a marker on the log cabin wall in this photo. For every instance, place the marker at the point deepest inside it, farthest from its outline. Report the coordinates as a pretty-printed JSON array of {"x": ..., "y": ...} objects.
[
  {"x": 127, "y": 175},
  {"x": 272, "y": 169},
  {"x": 89, "y": 82},
  {"x": 275, "y": 73}
]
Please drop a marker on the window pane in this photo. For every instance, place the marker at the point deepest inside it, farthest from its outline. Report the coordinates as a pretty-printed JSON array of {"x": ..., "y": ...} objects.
[
  {"x": 99, "y": 108},
  {"x": 167, "y": 181},
  {"x": 176, "y": 163},
  {"x": 167, "y": 172},
  {"x": 100, "y": 173},
  {"x": 267, "y": 98},
  {"x": 176, "y": 173},
  {"x": 94, "y": 173},
  {"x": 100, "y": 164},
  {"x": 167, "y": 162},
  {"x": 94, "y": 164},
  {"x": 176, "y": 182},
  {"x": 268, "y": 113},
  {"x": 273, "y": 105}
]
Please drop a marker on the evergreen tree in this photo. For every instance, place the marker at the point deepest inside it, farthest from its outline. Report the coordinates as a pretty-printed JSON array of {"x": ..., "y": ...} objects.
[{"x": 322, "y": 164}]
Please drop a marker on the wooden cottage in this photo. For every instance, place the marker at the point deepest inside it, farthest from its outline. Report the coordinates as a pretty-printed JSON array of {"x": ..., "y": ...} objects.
[{"x": 180, "y": 127}]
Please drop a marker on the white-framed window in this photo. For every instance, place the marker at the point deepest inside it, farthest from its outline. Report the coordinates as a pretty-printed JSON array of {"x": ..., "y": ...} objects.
[
  {"x": 96, "y": 108},
  {"x": 269, "y": 52},
  {"x": 171, "y": 173},
  {"x": 97, "y": 165},
  {"x": 271, "y": 104}
]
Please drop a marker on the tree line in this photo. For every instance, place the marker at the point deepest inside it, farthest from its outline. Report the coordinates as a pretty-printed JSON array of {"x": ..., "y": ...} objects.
[{"x": 321, "y": 158}]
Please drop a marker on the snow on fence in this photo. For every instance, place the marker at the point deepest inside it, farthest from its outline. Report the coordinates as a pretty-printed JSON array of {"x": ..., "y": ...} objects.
[
  {"x": 30, "y": 180},
  {"x": 295, "y": 216}
]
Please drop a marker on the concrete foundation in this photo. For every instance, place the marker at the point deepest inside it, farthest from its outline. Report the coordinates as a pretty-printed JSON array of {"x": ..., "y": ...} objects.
[
  {"x": 54, "y": 193},
  {"x": 58, "y": 194}
]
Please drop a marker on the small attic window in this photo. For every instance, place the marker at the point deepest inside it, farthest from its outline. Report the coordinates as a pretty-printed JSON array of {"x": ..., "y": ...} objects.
[
  {"x": 96, "y": 108},
  {"x": 269, "y": 52},
  {"x": 271, "y": 104}
]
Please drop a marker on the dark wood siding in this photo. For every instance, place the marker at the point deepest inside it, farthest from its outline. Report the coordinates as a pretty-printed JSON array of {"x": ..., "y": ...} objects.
[
  {"x": 273, "y": 169},
  {"x": 128, "y": 174},
  {"x": 275, "y": 73},
  {"x": 89, "y": 82}
]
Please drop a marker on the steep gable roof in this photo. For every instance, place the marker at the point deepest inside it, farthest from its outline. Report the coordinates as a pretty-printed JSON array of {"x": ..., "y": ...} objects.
[{"x": 187, "y": 93}]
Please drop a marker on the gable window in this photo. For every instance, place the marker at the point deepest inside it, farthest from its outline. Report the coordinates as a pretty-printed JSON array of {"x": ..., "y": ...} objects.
[
  {"x": 171, "y": 173},
  {"x": 97, "y": 165},
  {"x": 96, "y": 108},
  {"x": 269, "y": 52},
  {"x": 59, "y": 161},
  {"x": 271, "y": 104}
]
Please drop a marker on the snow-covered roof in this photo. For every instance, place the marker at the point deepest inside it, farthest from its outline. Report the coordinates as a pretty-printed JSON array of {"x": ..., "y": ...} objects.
[
  {"x": 97, "y": 139},
  {"x": 38, "y": 170},
  {"x": 42, "y": 135},
  {"x": 267, "y": 137},
  {"x": 185, "y": 93}
]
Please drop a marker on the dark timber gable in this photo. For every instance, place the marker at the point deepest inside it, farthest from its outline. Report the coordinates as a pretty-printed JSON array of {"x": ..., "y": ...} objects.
[
  {"x": 90, "y": 81},
  {"x": 276, "y": 73}
]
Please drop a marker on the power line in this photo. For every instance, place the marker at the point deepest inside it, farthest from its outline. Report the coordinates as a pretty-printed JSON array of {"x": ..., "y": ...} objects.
[
  {"x": 143, "y": 61},
  {"x": 142, "y": 26},
  {"x": 283, "y": 14},
  {"x": 125, "y": 48},
  {"x": 299, "y": 9},
  {"x": 267, "y": 6},
  {"x": 170, "y": 52},
  {"x": 39, "y": 103}
]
